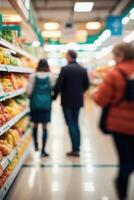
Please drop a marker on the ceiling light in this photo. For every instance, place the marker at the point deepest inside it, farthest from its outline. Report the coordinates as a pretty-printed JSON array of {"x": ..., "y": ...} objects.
[
  {"x": 83, "y": 6},
  {"x": 51, "y": 26},
  {"x": 132, "y": 10},
  {"x": 129, "y": 37},
  {"x": 132, "y": 16},
  {"x": 93, "y": 25},
  {"x": 36, "y": 44},
  {"x": 51, "y": 34},
  {"x": 125, "y": 20}
]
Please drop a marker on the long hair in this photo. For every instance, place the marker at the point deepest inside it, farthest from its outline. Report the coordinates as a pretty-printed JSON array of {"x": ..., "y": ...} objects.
[{"x": 43, "y": 66}]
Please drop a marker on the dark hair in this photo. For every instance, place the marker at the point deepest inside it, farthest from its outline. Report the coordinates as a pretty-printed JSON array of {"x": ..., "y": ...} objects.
[
  {"x": 72, "y": 54},
  {"x": 126, "y": 48},
  {"x": 43, "y": 66}
]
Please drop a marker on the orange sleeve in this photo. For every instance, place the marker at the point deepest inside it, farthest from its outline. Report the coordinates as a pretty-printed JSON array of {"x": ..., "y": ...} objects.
[{"x": 104, "y": 95}]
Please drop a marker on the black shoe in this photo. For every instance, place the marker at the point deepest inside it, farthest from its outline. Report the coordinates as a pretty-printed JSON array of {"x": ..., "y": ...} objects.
[
  {"x": 73, "y": 153},
  {"x": 119, "y": 192},
  {"x": 44, "y": 154}
]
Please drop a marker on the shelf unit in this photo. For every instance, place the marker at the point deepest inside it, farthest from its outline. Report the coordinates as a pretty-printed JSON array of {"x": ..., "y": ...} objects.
[
  {"x": 13, "y": 175},
  {"x": 17, "y": 69},
  {"x": 12, "y": 94},
  {"x": 6, "y": 160},
  {"x": 16, "y": 49},
  {"x": 14, "y": 120}
]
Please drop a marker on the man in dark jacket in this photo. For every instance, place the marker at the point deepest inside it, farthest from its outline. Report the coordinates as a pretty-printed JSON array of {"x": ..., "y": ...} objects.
[{"x": 72, "y": 83}]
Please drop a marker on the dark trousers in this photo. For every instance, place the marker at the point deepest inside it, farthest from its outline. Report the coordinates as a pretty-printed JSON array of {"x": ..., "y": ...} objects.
[
  {"x": 44, "y": 138},
  {"x": 71, "y": 117},
  {"x": 125, "y": 148}
]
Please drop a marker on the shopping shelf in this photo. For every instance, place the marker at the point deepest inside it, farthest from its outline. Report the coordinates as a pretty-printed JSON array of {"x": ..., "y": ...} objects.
[
  {"x": 6, "y": 160},
  {"x": 12, "y": 94},
  {"x": 13, "y": 121},
  {"x": 13, "y": 175},
  {"x": 16, "y": 49},
  {"x": 17, "y": 69}
]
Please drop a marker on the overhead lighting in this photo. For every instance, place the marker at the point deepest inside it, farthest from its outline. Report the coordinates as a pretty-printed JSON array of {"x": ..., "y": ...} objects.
[
  {"x": 36, "y": 44},
  {"x": 129, "y": 37},
  {"x": 125, "y": 20},
  {"x": 83, "y": 6},
  {"x": 132, "y": 10},
  {"x": 51, "y": 26},
  {"x": 51, "y": 34},
  {"x": 88, "y": 47},
  {"x": 93, "y": 25},
  {"x": 132, "y": 16}
]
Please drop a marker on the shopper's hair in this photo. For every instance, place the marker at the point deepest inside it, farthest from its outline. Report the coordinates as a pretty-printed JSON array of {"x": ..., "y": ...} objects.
[
  {"x": 43, "y": 66},
  {"x": 72, "y": 54},
  {"x": 126, "y": 48}
]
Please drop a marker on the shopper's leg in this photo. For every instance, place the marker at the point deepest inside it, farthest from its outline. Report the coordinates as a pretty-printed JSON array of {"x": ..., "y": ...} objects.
[
  {"x": 44, "y": 139},
  {"x": 68, "y": 114},
  {"x": 77, "y": 129},
  {"x": 35, "y": 136},
  {"x": 124, "y": 149}
]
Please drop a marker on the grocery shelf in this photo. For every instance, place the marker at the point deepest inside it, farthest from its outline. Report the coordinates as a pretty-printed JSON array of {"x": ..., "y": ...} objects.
[
  {"x": 12, "y": 94},
  {"x": 6, "y": 160},
  {"x": 13, "y": 121},
  {"x": 17, "y": 69},
  {"x": 16, "y": 49},
  {"x": 13, "y": 175}
]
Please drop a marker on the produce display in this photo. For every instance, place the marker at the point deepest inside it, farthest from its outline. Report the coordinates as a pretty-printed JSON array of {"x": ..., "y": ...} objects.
[
  {"x": 9, "y": 35},
  {"x": 20, "y": 151},
  {"x": 11, "y": 81},
  {"x": 12, "y": 108},
  {"x": 7, "y": 59},
  {"x": 10, "y": 139}
]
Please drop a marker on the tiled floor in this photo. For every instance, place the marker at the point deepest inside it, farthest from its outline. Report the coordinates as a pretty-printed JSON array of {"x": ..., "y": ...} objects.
[{"x": 62, "y": 178}]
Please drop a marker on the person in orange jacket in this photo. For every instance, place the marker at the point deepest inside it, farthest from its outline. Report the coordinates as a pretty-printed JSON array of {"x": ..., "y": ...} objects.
[{"x": 120, "y": 116}]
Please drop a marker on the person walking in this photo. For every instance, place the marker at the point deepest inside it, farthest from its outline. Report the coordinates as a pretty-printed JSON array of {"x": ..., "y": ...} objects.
[
  {"x": 116, "y": 96},
  {"x": 72, "y": 83},
  {"x": 39, "y": 90}
]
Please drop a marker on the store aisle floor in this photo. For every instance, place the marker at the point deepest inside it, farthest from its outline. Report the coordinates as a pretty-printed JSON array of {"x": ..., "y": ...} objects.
[{"x": 62, "y": 178}]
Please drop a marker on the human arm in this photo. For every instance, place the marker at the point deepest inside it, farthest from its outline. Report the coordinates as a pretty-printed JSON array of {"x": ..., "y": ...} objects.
[
  {"x": 59, "y": 84},
  {"x": 86, "y": 82},
  {"x": 30, "y": 85}
]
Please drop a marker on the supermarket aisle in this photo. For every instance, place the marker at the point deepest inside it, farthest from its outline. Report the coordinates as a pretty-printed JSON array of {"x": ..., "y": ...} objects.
[{"x": 62, "y": 178}]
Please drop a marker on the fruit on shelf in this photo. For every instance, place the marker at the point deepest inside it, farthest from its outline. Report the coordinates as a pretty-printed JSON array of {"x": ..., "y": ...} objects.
[
  {"x": 7, "y": 59},
  {"x": 6, "y": 83},
  {"x": 7, "y": 172},
  {"x": 11, "y": 137},
  {"x": 4, "y": 115},
  {"x": 11, "y": 82},
  {"x": 1, "y": 156},
  {"x": 5, "y": 148},
  {"x": 1, "y": 57},
  {"x": 7, "y": 35},
  {"x": 12, "y": 108},
  {"x": 1, "y": 170},
  {"x": 26, "y": 62},
  {"x": 22, "y": 125}
]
